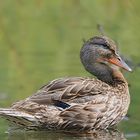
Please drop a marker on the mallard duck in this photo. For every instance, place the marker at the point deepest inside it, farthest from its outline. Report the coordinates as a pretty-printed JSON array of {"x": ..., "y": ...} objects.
[{"x": 76, "y": 103}]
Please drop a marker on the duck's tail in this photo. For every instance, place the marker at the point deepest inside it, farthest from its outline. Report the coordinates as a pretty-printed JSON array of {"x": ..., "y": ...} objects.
[{"x": 19, "y": 118}]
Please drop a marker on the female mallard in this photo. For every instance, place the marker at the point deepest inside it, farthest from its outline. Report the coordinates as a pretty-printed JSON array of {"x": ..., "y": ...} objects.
[{"x": 75, "y": 103}]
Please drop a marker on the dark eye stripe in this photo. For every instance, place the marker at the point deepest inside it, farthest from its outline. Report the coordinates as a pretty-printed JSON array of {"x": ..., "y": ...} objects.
[
  {"x": 113, "y": 51},
  {"x": 105, "y": 47},
  {"x": 99, "y": 41},
  {"x": 102, "y": 42}
]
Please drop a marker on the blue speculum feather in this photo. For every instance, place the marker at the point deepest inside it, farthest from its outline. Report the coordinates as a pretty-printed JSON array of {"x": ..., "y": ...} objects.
[{"x": 61, "y": 104}]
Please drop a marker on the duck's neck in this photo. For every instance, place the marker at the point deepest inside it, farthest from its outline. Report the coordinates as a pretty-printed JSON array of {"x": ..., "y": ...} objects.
[{"x": 106, "y": 74}]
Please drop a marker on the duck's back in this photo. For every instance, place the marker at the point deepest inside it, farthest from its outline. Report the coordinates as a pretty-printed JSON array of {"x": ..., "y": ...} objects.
[
  {"x": 76, "y": 104},
  {"x": 72, "y": 90}
]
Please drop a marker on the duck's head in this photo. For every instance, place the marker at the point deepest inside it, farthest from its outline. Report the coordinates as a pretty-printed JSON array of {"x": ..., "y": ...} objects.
[{"x": 100, "y": 57}]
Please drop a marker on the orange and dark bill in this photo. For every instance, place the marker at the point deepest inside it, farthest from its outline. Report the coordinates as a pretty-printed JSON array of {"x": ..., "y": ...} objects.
[{"x": 120, "y": 63}]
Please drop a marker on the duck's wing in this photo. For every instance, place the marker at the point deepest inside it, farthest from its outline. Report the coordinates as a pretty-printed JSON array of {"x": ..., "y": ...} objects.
[
  {"x": 82, "y": 101},
  {"x": 71, "y": 90},
  {"x": 68, "y": 103}
]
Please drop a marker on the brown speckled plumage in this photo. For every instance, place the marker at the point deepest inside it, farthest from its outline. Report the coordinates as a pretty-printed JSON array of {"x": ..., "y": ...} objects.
[{"x": 76, "y": 103}]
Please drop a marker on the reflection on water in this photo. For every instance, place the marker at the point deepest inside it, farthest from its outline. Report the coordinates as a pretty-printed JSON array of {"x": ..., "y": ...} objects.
[{"x": 43, "y": 135}]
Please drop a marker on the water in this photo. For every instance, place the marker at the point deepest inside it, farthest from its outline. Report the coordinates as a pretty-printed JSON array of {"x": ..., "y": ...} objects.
[
  {"x": 43, "y": 135},
  {"x": 40, "y": 41}
]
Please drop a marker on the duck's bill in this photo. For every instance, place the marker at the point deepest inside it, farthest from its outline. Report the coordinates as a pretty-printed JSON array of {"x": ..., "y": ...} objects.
[{"x": 120, "y": 63}]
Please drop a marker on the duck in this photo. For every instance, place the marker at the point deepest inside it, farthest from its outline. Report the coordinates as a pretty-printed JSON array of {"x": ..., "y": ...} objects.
[{"x": 79, "y": 104}]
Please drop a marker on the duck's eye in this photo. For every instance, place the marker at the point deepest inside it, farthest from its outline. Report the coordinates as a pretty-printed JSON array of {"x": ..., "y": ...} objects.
[{"x": 108, "y": 55}]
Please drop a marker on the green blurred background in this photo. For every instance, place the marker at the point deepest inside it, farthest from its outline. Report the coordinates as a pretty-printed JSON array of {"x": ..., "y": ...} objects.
[{"x": 40, "y": 41}]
